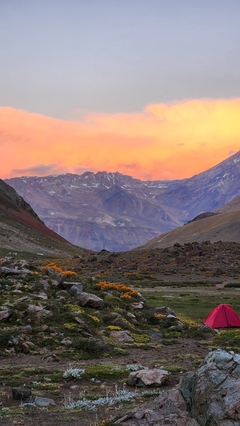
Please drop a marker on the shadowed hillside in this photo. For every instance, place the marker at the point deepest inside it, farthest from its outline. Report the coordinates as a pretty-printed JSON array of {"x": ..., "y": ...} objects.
[
  {"x": 224, "y": 227},
  {"x": 21, "y": 230}
]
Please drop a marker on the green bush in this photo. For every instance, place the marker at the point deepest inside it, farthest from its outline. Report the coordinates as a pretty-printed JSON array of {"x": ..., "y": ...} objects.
[
  {"x": 6, "y": 337},
  {"x": 93, "y": 347}
]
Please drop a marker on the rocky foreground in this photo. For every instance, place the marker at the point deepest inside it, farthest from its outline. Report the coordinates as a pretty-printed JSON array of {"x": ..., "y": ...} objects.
[
  {"x": 209, "y": 396},
  {"x": 80, "y": 344}
]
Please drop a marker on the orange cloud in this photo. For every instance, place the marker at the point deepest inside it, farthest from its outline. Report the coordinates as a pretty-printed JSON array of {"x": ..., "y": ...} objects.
[{"x": 165, "y": 141}]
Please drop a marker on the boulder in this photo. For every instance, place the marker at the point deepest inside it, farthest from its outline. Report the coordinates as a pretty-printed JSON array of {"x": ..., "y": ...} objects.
[
  {"x": 42, "y": 295},
  {"x": 43, "y": 402},
  {"x": 4, "y": 271},
  {"x": 164, "y": 310},
  {"x": 6, "y": 313},
  {"x": 213, "y": 391},
  {"x": 169, "y": 408},
  {"x": 21, "y": 393},
  {"x": 208, "y": 396},
  {"x": 73, "y": 288},
  {"x": 153, "y": 377},
  {"x": 43, "y": 284},
  {"x": 136, "y": 305},
  {"x": 90, "y": 300},
  {"x": 121, "y": 322},
  {"x": 122, "y": 336}
]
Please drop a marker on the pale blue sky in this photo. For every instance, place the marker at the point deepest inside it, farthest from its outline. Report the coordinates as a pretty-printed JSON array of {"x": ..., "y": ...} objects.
[{"x": 58, "y": 56}]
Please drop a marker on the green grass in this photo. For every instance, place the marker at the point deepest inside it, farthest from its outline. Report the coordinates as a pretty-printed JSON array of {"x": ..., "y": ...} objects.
[
  {"x": 175, "y": 284},
  {"x": 188, "y": 306},
  {"x": 229, "y": 339}
]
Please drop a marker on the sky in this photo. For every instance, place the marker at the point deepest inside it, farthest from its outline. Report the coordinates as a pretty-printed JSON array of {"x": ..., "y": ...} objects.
[{"x": 148, "y": 88}]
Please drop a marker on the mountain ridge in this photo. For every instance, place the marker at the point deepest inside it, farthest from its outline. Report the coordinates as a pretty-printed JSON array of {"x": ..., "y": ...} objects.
[{"x": 117, "y": 212}]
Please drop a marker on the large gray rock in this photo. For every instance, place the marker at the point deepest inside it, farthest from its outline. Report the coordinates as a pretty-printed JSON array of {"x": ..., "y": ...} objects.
[
  {"x": 213, "y": 391},
  {"x": 210, "y": 396},
  {"x": 6, "y": 313},
  {"x": 4, "y": 271},
  {"x": 90, "y": 300},
  {"x": 21, "y": 393},
  {"x": 122, "y": 336},
  {"x": 164, "y": 310},
  {"x": 43, "y": 402},
  {"x": 153, "y": 377},
  {"x": 73, "y": 288},
  {"x": 169, "y": 408}
]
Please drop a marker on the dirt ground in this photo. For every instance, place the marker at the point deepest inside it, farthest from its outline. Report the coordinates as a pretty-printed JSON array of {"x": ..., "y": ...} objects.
[{"x": 180, "y": 353}]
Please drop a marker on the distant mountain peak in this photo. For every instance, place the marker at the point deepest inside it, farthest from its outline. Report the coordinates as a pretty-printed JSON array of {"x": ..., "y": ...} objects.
[{"x": 76, "y": 206}]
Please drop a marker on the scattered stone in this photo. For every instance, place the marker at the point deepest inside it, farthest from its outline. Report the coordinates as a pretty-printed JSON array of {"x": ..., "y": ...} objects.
[
  {"x": 121, "y": 322},
  {"x": 34, "y": 308},
  {"x": 43, "y": 402},
  {"x": 25, "y": 348},
  {"x": 209, "y": 396},
  {"x": 51, "y": 358},
  {"x": 153, "y": 377},
  {"x": 31, "y": 345},
  {"x": 168, "y": 409},
  {"x": 90, "y": 301},
  {"x": 42, "y": 295},
  {"x": 139, "y": 305},
  {"x": 122, "y": 336},
  {"x": 132, "y": 316},
  {"x": 79, "y": 320},
  {"x": 164, "y": 310},
  {"x": 74, "y": 288},
  {"x": 16, "y": 340},
  {"x": 43, "y": 284},
  {"x": 170, "y": 316},
  {"x": 5, "y": 314},
  {"x": 39, "y": 311},
  {"x": 21, "y": 393},
  {"x": 66, "y": 341},
  {"x": 155, "y": 335},
  {"x": 10, "y": 351},
  {"x": 4, "y": 271}
]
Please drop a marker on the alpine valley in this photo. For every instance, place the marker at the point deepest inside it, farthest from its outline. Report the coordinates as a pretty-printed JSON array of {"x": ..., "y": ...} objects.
[{"x": 117, "y": 212}]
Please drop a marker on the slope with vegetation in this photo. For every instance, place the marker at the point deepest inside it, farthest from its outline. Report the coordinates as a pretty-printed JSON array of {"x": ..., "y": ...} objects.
[
  {"x": 73, "y": 328},
  {"x": 22, "y": 231}
]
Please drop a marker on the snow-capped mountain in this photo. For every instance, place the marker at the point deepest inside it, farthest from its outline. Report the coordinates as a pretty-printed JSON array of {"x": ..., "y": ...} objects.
[{"x": 117, "y": 212}]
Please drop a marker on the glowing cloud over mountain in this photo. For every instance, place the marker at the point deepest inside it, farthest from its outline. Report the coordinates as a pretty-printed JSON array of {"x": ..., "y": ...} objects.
[{"x": 165, "y": 141}]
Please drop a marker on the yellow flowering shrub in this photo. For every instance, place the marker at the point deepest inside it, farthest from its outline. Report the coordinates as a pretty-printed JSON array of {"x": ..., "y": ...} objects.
[
  {"x": 56, "y": 268},
  {"x": 70, "y": 325},
  {"x": 159, "y": 316},
  {"x": 75, "y": 308},
  {"x": 127, "y": 291},
  {"x": 94, "y": 318},
  {"x": 114, "y": 327}
]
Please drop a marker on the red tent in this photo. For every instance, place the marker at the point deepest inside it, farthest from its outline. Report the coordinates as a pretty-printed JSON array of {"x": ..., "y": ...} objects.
[{"x": 222, "y": 316}]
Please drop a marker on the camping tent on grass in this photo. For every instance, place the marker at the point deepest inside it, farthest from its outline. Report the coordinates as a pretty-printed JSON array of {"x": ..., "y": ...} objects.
[{"x": 222, "y": 316}]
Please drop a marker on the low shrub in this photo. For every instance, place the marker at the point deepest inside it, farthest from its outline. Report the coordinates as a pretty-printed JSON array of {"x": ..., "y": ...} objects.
[{"x": 92, "y": 346}]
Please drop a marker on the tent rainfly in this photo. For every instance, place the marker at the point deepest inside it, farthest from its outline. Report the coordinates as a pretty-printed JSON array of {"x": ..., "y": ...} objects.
[{"x": 222, "y": 316}]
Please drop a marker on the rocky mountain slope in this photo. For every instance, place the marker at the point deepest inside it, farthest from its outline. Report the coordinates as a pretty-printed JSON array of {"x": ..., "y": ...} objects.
[
  {"x": 21, "y": 230},
  {"x": 7, "y": 191},
  {"x": 103, "y": 210},
  {"x": 117, "y": 212}
]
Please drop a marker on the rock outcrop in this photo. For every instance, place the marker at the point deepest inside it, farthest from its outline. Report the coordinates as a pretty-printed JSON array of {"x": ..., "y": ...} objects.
[{"x": 209, "y": 396}]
